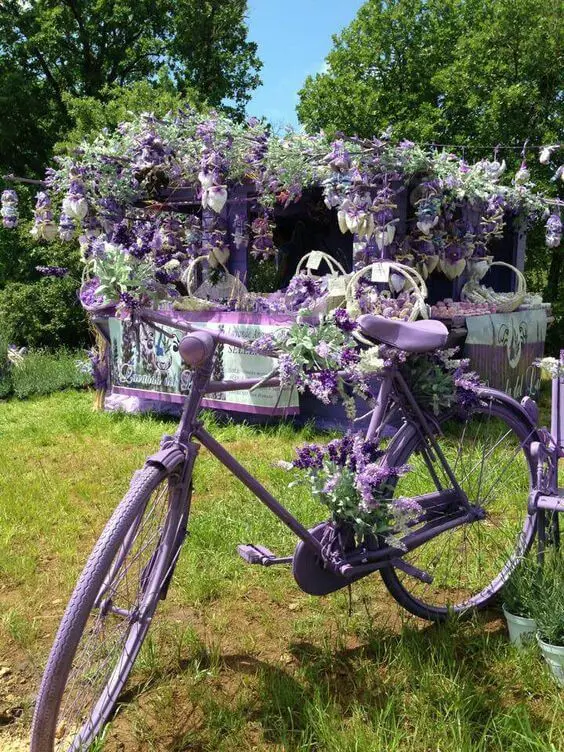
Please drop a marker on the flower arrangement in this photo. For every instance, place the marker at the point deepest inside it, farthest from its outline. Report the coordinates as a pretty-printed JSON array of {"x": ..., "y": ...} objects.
[
  {"x": 125, "y": 187},
  {"x": 322, "y": 357},
  {"x": 347, "y": 476}
]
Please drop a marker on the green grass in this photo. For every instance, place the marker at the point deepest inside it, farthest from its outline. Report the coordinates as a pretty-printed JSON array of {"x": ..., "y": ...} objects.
[{"x": 240, "y": 658}]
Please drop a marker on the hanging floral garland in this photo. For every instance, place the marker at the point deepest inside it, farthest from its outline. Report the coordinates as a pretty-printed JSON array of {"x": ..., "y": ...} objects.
[{"x": 119, "y": 194}]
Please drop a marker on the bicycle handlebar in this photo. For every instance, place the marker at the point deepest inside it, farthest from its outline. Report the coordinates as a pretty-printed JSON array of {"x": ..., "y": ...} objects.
[{"x": 150, "y": 316}]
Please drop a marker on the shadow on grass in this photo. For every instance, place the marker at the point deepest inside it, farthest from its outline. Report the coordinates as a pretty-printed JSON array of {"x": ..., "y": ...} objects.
[{"x": 443, "y": 673}]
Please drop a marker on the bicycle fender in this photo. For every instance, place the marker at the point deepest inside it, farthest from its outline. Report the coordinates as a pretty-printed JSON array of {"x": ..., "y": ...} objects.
[
  {"x": 516, "y": 408},
  {"x": 167, "y": 458}
]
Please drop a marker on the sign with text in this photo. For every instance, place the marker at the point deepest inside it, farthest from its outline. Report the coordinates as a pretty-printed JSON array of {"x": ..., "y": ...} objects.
[{"x": 145, "y": 362}]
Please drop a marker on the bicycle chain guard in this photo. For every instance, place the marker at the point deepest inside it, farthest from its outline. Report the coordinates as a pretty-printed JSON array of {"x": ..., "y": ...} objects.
[{"x": 309, "y": 569}]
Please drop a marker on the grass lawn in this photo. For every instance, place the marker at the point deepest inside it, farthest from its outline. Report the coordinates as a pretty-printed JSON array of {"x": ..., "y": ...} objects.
[{"x": 240, "y": 658}]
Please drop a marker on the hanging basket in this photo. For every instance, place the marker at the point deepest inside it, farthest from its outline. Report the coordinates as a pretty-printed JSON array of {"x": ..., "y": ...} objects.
[
  {"x": 209, "y": 296},
  {"x": 400, "y": 278},
  {"x": 104, "y": 307},
  {"x": 504, "y": 302}
]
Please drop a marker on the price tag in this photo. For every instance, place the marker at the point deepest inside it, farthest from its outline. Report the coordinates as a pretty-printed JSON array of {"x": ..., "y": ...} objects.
[
  {"x": 380, "y": 272},
  {"x": 337, "y": 285},
  {"x": 315, "y": 258}
]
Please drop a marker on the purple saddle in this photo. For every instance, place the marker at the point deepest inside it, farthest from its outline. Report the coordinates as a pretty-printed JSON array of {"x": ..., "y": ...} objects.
[{"x": 411, "y": 336}]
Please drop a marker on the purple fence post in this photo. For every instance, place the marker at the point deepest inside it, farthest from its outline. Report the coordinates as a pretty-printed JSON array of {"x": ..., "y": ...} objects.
[{"x": 237, "y": 219}]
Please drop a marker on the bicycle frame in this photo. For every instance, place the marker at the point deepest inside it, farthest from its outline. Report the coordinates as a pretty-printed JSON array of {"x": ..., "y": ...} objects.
[{"x": 392, "y": 386}]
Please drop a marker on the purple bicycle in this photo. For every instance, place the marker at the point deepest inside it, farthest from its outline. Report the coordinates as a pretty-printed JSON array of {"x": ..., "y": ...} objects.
[{"x": 484, "y": 478}]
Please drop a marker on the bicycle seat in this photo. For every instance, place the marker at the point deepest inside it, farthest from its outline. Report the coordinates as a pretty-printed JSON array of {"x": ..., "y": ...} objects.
[{"x": 411, "y": 336}]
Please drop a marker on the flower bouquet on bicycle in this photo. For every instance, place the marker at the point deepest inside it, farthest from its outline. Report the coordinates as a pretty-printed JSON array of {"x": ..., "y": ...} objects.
[{"x": 428, "y": 488}]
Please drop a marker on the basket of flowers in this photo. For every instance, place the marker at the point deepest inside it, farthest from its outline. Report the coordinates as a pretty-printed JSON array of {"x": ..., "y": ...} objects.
[
  {"x": 219, "y": 287},
  {"x": 389, "y": 289},
  {"x": 504, "y": 302}
]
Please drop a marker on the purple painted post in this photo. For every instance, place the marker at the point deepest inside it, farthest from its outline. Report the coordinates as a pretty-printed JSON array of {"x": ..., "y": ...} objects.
[
  {"x": 237, "y": 219},
  {"x": 557, "y": 417}
]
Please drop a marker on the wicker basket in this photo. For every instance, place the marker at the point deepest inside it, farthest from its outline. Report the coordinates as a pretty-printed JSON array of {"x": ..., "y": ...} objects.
[
  {"x": 504, "y": 302},
  {"x": 207, "y": 296},
  {"x": 336, "y": 280},
  {"x": 335, "y": 267},
  {"x": 414, "y": 284}
]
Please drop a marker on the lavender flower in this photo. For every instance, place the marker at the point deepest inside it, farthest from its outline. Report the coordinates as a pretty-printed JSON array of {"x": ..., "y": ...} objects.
[
  {"x": 343, "y": 320},
  {"x": 43, "y": 226},
  {"x": 553, "y": 231},
  {"x": 309, "y": 457},
  {"x": 9, "y": 210},
  {"x": 52, "y": 271}
]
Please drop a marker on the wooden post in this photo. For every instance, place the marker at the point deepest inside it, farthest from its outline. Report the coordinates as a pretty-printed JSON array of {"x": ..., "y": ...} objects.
[{"x": 238, "y": 221}]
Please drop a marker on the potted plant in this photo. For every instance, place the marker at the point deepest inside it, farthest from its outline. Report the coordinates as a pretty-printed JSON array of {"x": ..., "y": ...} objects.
[
  {"x": 548, "y": 612},
  {"x": 518, "y": 596}
]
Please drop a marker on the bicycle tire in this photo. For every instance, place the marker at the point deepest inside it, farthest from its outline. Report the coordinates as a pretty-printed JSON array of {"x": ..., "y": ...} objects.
[
  {"x": 58, "y": 727},
  {"x": 501, "y": 549}
]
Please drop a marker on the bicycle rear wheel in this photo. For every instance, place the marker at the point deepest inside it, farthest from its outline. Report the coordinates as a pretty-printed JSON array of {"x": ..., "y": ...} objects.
[
  {"x": 110, "y": 612},
  {"x": 488, "y": 452}
]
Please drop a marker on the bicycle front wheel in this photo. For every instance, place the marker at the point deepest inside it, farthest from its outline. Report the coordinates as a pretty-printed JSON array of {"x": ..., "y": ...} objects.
[
  {"x": 109, "y": 613},
  {"x": 488, "y": 453}
]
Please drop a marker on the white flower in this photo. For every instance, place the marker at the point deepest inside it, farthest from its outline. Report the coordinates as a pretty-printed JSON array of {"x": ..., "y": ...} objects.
[
  {"x": 214, "y": 197},
  {"x": 426, "y": 225},
  {"x": 522, "y": 175},
  {"x": 206, "y": 179},
  {"x": 75, "y": 208},
  {"x": 546, "y": 153},
  {"x": 44, "y": 231},
  {"x": 370, "y": 360},
  {"x": 172, "y": 265}
]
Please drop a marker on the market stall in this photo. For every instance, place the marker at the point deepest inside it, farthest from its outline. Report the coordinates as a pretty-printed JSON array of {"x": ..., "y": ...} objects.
[{"x": 234, "y": 227}]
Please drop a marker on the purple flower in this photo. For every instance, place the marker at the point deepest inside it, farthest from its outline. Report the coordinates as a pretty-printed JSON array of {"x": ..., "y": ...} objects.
[
  {"x": 371, "y": 479},
  {"x": 323, "y": 385},
  {"x": 9, "y": 210},
  {"x": 343, "y": 320},
  {"x": 553, "y": 231},
  {"x": 52, "y": 271},
  {"x": 309, "y": 457},
  {"x": 290, "y": 373},
  {"x": 323, "y": 350}
]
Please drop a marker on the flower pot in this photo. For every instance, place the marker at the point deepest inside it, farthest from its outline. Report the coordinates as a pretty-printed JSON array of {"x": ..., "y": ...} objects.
[
  {"x": 521, "y": 629},
  {"x": 554, "y": 656}
]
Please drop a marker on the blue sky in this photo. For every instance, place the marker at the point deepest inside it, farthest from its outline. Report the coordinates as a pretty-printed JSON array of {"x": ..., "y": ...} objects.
[{"x": 293, "y": 36}]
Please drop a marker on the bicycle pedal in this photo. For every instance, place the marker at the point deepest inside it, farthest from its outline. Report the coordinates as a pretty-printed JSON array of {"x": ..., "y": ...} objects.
[{"x": 255, "y": 554}]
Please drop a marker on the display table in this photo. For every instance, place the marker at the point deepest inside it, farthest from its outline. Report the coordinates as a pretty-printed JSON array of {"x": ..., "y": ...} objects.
[
  {"x": 147, "y": 374},
  {"x": 502, "y": 348}
]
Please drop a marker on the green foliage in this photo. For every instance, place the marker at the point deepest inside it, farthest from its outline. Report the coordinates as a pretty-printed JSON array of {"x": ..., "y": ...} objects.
[
  {"x": 5, "y": 368},
  {"x": 53, "y": 53},
  {"x": 37, "y": 311},
  {"x": 91, "y": 115},
  {"x": 45, "y": 313},
  {"x": 43, "y": 372},
  {"x": 454, "y": 71},
  {"x": 547, "y": 606},
  {"x": 520, "y": 589}
]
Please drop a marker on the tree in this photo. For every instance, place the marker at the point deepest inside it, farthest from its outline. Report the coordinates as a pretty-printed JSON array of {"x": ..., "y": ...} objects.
[
  {"x": 452, "y": 71},
  {"x": 53, "y": 52}
]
